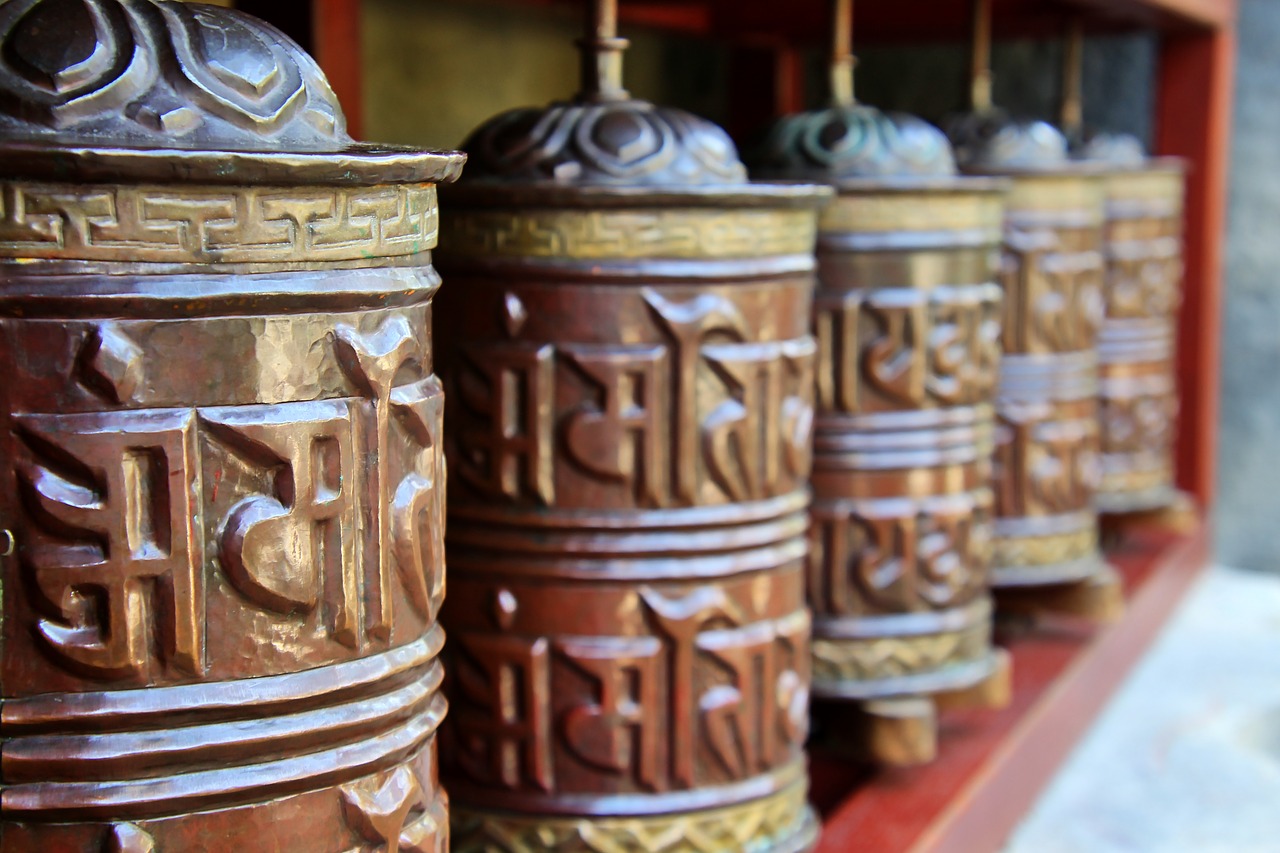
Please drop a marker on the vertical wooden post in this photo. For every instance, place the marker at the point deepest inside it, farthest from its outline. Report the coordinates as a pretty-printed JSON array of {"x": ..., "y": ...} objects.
[
  {"x": 1193, "y": 120},
  {"x": 765, "y": 81},
  {"x": 336, "y": 46}
]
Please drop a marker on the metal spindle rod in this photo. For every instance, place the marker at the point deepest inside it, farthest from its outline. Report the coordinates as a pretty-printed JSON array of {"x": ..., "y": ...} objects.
[
  {"x": 843, "y": 61},
  {"x": 602, "y": 53},
  {"x": 980, "y": 69},
  {"x": 1072, "y": 116}
]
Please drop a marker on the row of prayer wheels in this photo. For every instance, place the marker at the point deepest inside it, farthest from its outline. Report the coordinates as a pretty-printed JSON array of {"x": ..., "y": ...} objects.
[{"x": 712, "y": 445}]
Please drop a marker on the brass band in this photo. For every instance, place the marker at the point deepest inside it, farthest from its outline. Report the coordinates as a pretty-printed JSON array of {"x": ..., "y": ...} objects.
[
  {"x": 648, "y": 232},
  {"x": 781, "y": 822}
]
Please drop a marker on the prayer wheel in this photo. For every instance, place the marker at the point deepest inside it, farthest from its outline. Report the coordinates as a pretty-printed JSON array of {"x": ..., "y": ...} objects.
[
  {"x": 1138, "y": 398},
  {"x": 1138, "y": 394},
  {"x": 1047, "y": 442},
  {"x": 630, "y": 374},
  {"x": 1046, "y": 465},
  {"x": 223, "y": 483},
  {"x": 907, "y": 319}
]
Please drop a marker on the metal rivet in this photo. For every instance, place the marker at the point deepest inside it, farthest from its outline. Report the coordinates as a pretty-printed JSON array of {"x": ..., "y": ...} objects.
[{"x": 9, "y": 543}]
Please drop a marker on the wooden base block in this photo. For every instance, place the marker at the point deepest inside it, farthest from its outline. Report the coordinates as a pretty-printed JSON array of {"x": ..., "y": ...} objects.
[
  {"x": 1180, "y": 516},
  {"x": 1098, "y": 598},
  {"x": 899, "y": 732},
  {"x": 993, "y": 692}
]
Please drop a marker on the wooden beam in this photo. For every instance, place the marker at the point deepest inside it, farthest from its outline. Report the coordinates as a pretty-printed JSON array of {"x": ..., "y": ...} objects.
[
  {"x": 1193, "y": 121},
  {"x": 336, "y": 46}
]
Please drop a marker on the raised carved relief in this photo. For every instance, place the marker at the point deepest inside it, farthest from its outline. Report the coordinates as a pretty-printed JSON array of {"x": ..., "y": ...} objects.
[
  {"x": 635, "y": 234},
  {"x": 117, "y": 557},
  {"x": 700, "y": 670},
  {"x": 194, "y": 224},
  {"x": 395, "y": 814},
  {"x": 624, "y": 435},
  {"x": 1138, "y": 403},
  {"x": 331, "y": 507},
  {"x": 110, "y": 363},
  {"x": 1054, "y": 293},
  {"x": 283, "y": 549},
  {"x": 898, "y": 555},
  {"x": 158, "y": 73},
  {"x": 865, "y": 661},
  {"x": 697, "y": 404},
  {"x": 1140, "y": 285},
  {"x": 504, "y": 735},
  {"x": 775, "y": 818},
  {"x": 610, "y": 141},
  {"x": 1046, "y": 461},
  {"x": 905, "y": 349},
  {"x": 128, "y": 838},
  {"x": 765, "y": 423}
]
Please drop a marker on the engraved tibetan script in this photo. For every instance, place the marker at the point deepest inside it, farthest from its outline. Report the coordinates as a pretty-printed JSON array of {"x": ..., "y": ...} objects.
[
  {"x": 118, "y": 555},
  {"x": 899, "y": 555},
  {"x": 325, "y": 504},
  {"x": 906, "y": 348},
  {"x": 660, "y": 418},
  {"x": 641, "y": 704}
]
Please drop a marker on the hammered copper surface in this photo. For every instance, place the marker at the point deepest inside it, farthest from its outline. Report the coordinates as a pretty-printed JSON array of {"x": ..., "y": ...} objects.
[
  {"x": 630, "y": 372},
  {"x": 907, "y": 318},
  {"x": 224, "y": 460},
  {"x": 1137, "y": 341},
  {"x": 1046, "y": 469},
  {"x": 1047, "y": 450}
]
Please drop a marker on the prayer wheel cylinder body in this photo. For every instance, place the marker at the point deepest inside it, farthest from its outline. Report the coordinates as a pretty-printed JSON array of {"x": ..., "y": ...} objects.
[
  {"x": 630, "y": 374},
  {"x": 223, "y": 447},
  {"x": 907, "y": 317},
  {"x": 1047, "y": 437},
  {"x": 1137, "y": 341}
]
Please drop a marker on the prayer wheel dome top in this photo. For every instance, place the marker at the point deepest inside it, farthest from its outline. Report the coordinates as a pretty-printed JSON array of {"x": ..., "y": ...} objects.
[
  {"x": 608, "y": 143},
  {"x": 109, "y": 89},
  {"x": 992, "y": 140},
  {"x": 854, "y": 141},
  {"x": 1112, "y": 149}
]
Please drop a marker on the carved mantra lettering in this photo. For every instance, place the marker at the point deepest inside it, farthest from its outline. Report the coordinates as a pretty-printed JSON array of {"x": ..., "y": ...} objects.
[
  {"x": 647, "y": 416},
  {"x": 704, "y": 668},
  {"x": 1139, "y": 425},
  {"x": 898, "y": 555},
  {"x": 117, "y": 506},
  {"x": 906, "y": 348},
  {"x": 228, "y": 224},
  {"x": 1043, "y": 464},
  {"x": 1054, "y": 299}
]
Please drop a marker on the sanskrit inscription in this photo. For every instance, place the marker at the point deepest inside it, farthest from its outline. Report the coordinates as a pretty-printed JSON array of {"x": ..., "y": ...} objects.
[
  {"x": 698, "y": 411},
  {"x": 635, "y": 709}
]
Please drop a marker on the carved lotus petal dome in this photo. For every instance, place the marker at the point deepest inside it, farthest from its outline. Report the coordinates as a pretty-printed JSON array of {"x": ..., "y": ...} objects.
[
  {"x": 159, "y": 73},
  {"x": 610, "y": 143},
  {"x": 1113, "y": 149},
  {"x": 854, "y": 142},
  {"x": 993, "y": 140}
]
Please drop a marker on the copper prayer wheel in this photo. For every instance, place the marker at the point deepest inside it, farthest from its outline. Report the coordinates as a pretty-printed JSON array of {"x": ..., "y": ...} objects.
[
  {"x": 630, "y": 375},
  {"x": 1047, "y": 442},
  {"x": 907, "y": 318},
  {"x": 1046, "y": 465},
  {"x": 1138, "y": 400},
  {"x": 1137, "y": 341},
  {"x": 223, "y": 490}
]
